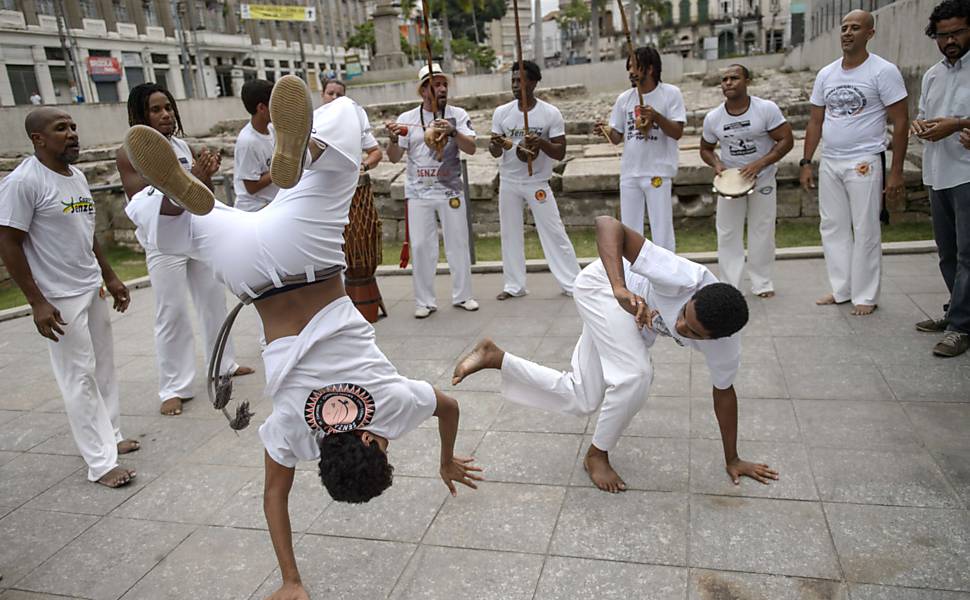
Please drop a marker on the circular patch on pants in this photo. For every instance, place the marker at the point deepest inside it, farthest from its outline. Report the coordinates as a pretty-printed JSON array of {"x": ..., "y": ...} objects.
[
  {"x": 541, "y": 195},
  {"x": 766, "y": 190},
  {"x": 862, "y": 169},
  {"x": 657, "y": 182},
  {"x": 454, "y": 202},
  {"x": 339, "y": 408}
]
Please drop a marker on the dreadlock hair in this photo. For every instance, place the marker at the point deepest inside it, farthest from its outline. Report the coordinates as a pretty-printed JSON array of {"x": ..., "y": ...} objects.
[
  {"x": 948, "y": 9},
  {"x": 351, "y": 470},
  {"x": 721, "y": 309},
  {"x": 255, "y": 92},
  {"x": 138, "y": 105},
  {"x": 744, "y": 70},
  {"x": 647, "y": 56},
  {"x": 531, "y": 69}
]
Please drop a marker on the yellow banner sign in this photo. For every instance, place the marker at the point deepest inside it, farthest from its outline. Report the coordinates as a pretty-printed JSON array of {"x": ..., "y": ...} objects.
[{"x": 273, "y": 12}]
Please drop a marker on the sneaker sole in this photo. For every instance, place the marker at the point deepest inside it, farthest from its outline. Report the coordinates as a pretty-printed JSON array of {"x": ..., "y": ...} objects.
[
  {"x": 152, "y": 156},
  {"x": 929, "y": 329},
  {"x": 291, "y": 112}
]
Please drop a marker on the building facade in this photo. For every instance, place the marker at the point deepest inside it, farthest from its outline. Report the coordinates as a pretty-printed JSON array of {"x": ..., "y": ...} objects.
[
  {"x": 501, "y": 33},
  {"x": 96, "y": 50}
]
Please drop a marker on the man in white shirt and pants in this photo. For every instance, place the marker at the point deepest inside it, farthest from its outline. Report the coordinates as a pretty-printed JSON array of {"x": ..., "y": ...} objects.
[
  {"x": 851, "y": 100},
  {"x": 944, "y": 109},
  {"x": 47, "y": 220},
  {"x": 254, "y": 150},
  {"x": 635, "y": 293},
  {"x": 545, "y": 143},
  {"x": 434, "y": 186},
  {"x": 754, "y": 136},
  {"x": 650, "y": 156}
]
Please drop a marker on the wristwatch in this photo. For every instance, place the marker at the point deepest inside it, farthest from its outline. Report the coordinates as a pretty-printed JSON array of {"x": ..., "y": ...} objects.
[{"x": 804, "y": 161}]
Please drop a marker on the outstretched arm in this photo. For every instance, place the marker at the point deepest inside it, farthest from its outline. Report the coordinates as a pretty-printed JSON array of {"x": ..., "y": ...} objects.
[
  {"x": 726, "y": 411},
  {"x": 453, "y": 468},
  {"x": 276, "y": 494}
]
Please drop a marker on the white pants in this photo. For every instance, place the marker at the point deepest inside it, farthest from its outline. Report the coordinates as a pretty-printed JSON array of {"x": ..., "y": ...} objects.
[
  {"x": 634, "y": 193},
  {"x": 760, "y": 208},
  {"x": 556, "y": 246},
  {"x": 611, "y": 367},
  {"x": 174, "y": 279},
  {"x": 84, "y": 367},
  {"x": 424, "y": 248},
  {"x": 849, "y": 199}
]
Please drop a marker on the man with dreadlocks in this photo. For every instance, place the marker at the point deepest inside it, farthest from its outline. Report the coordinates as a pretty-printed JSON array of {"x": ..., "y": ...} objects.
[
  {"x": 176, "y": 277},
  {"x": 336, "y": 397},
  {"x": 636, "y": 292},
  {"x": 649, "y": 133}
]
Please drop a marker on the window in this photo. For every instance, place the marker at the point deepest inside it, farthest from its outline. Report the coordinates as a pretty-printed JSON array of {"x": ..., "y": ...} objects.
[
  {"x": 8, "y": 5},
  {"x": 89, "y": 9},
  {"x": 45, "y": 7},
  {"x": 23, "y": 82},
  {"x": 702, "y": 11},
  {"x": 215, "y": 20},
  {"x": 151, "y": 16},
  {"x": 160, "y": 59},
  {"x": 53, "y": 53},
  {"x": 102, "y": 53},
  {"x": 668, "y": 14},
  {"x": 120, "y": 8},
  {"x": 684, "y": 12}
]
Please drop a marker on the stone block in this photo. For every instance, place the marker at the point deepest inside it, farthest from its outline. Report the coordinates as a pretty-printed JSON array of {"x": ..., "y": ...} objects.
[
  {"x": 383, "y": 175},
  {"x": 449, "y": 573},
  {"x": 789, "y": 202},
  {"x": 568, "y": 578},
  {"x": 591, "y": 175},
  {"x": 31, "y": 537},
  {"x": 529, "y": 457},
  {"x": 724, "y": 585}
]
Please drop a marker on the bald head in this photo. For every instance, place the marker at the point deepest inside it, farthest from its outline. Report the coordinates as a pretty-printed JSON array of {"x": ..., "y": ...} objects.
[
  {"x": 862, "y": 17},
  {"x": 858, "y": 27},
  {"x": 38, "y": 120}
]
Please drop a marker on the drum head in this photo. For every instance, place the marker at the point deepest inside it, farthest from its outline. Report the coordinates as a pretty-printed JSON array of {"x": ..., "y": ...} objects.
[{"x": 732, "y": 184}]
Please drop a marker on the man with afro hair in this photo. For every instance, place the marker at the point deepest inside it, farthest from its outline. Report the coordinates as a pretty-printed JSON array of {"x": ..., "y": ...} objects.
[{"x": 636, "y": 292}]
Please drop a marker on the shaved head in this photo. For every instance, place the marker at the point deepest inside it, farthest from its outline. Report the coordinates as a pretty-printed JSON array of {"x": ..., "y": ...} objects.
[
  {"x": 38, "y": 120},
  {"x": 864, "y": 18}
]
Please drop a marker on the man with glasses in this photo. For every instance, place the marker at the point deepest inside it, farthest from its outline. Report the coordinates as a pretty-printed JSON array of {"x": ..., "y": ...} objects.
[
  {"x": 944, "y": 110},
  {"x": 635, "y": 293}
]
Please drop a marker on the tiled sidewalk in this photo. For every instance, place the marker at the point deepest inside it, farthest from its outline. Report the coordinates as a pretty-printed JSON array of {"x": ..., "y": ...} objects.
[{"x": 871, "y": 434}]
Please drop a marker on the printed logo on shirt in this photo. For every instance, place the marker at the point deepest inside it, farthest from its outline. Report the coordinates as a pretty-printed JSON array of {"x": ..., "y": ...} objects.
[
  {"x": 862, "y": 169},
  {"x": 541, "y": 195},
  {"x": 454, "y": 202},
  {"x": 427, "y": 171},
  {"x": 183, "y": 160},
  {"x": 633, "y": 132},
  {"x": 519, "y": 132},
  {"x": 736, "y": 125},
  {"x": 845, "y": 101},
  {"x": 741, "y": 147},
  {"x": 468, "y": 124},
  {"x": 339, "y": 408},
  {"x": 79, "y": 205},
  {"x": 657, "y": 182}
]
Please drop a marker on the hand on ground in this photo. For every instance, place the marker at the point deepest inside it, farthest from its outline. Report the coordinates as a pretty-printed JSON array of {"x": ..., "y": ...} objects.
[
  {"x": 460, "y": 469},
  {"x": 741, "y": 468}
]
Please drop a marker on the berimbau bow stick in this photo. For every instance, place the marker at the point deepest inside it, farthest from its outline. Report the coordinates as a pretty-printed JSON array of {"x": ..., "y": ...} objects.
[
  {"x": 629, "y": 44},
  {"x": 524, "y": 101},
  {"x": 427, "y": 45}
]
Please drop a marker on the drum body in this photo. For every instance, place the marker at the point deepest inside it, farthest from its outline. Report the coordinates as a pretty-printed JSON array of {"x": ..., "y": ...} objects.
[{"x": 363, "y": 251}]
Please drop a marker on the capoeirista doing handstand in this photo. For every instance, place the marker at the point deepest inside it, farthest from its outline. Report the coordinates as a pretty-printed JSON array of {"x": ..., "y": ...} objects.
[{"x": 336, "y": 397}]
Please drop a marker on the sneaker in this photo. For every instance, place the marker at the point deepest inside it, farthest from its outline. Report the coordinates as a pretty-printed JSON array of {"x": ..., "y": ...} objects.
[
  {"x": 152, "y": 156},
  {"x": 423, "y": 312},
  {"x": 470, "y": 305},
  {"x": 953, "y": 344},
  {"x": 291, "y": 112},
  {"x": 932, "y": 325},
  {"x": 506, "y": 295}
]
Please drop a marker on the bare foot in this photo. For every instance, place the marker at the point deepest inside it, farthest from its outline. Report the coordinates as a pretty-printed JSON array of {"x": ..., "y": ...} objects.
[
  {"x": 126, "y": 446},
  {"x": 861, "y": 310},
  {"x": 171, "y": 407},
  {"x": 485, "y": 355},
  {"x": 240, "y": 371},
  {"x": 601, "y": 473},
  {"x": 768, "y": 295},
  {"x": 828, "y": 299},
  {"x": 117, "y": 477}
]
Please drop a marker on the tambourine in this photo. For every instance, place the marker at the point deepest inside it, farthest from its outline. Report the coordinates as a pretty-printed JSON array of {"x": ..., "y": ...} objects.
[{"x": 732, "y": 184}]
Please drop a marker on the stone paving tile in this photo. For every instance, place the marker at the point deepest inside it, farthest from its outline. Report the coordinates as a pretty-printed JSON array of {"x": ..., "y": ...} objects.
[
  {"x": 955, "y": 464},
  {"x": 402, "y": 513},
  {"x": 38, "y": 536},
  {"x": 372, "y": 567},
  {"x": 568, "y": 578},
  {"x": 758, "y": 419},
  {"x": 708, "y": 475},
  {"x": 28, "y": 429},
  {"x": 753, "y": 381},
  {"x": 233, "y": 448},
  {"x": 634, "y": 526},
  {"x": 20, "y": 595},
  {"x": 838, "y": 424},
  {"x": 654, "y": 464},
  {"x": 910, "y": 348},
  {"x": 8, "y": 415},
  {"x": 189, "y": 494},
  {"x": 417, "y": 453},
  {"x": 912, "y": 547},
  {"x": 815, "y": 350},
  {"x": 479, "y": 410},
  {"x": 836, "y": 382},
  {"x": 948, "y": 382},
  {"x": 662, "y": 416},
  {"x": 529, "y": 457},
  {"x": 499, "y": 516},
  {"x": 818, "y": 322},
  {"x": 879, "y": 592},
  {"x": 513, "y": 417},
  {"x": 77, "y": 495},
  {"x": 902, "y": 478},
  {"x": 448, "y": 573},
  {"x": 244, "y": 509},
  {"x": 30, "y": 474},
  {"x": 213, "y": 563},
  {"x": 671, "y": 380},
  {"x": 726, "y": 585},
  {"x": 777, "y": 537},
  {"x": 941, "y": 425},
  {"x": 127, "y": 550}
]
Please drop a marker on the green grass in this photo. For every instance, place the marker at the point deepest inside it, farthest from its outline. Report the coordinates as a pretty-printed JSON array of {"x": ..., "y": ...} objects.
[{"x": 129, "y": 264}]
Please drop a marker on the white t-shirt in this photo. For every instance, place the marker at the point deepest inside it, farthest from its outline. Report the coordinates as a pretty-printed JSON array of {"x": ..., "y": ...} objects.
[
  {"x": 333, "y": 378},
  {"x": 58, "y": 214},
  {"x": 855, "y": 102},
  {"x": 744, "y": 138},
  {"x": 667, "y": 282},
  {"x": 252, "y": 157},
  {"x": 427, "y": 177},
  {"x": 367, "y": 139},
  {"x": 545, "y": 120},
  {"x": 301, "y": 231},
  {"x": 658, "y": 155}
]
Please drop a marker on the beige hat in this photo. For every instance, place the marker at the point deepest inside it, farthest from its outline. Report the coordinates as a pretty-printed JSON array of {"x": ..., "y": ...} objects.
[{"x": 423, "y": 75}]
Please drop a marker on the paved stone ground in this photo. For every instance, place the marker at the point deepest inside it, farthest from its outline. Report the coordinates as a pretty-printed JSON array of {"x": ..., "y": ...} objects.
[{"x": 869, "y": 431}]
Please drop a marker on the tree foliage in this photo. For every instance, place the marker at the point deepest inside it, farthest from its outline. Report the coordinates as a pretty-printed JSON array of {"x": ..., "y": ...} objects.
[
  {"x": 363, "y": 37},
  {"x": 480, "y": 54}
]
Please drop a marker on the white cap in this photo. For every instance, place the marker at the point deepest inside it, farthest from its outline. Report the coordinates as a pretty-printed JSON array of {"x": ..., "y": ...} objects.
[{"x": 423, "y": 74}]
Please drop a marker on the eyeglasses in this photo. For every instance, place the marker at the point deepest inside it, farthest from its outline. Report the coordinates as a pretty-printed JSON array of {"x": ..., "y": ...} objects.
[{"x": 952, "y": 35}]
